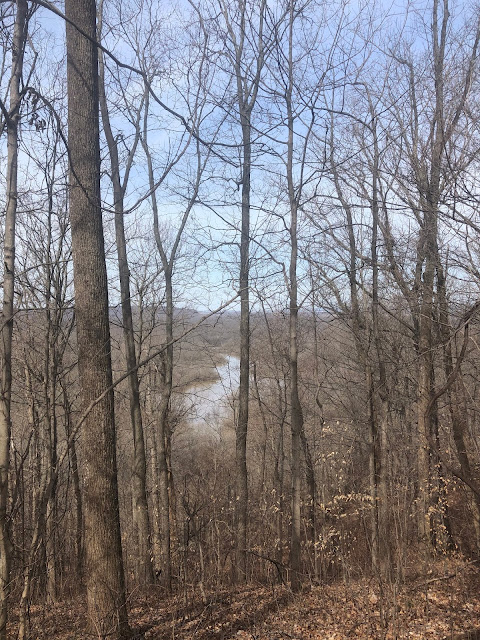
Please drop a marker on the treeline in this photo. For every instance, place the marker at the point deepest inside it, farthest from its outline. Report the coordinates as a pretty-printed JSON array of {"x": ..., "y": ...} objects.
[{"x": 305, "y": 175}]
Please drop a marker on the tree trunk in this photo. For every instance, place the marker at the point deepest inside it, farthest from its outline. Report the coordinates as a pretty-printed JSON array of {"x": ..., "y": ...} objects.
[
  {"x": 424, "y": 393},
  {"x": 72, "y": 453},
  {"x": 19, "y": 37},
  {"x": 373, "y": 464},
  {"x": 312, "y": 492},
  {"x": 156, "y": 535},
  {"x": 247, "y": 90},
  {"x": 456, "y": 401},
  {"x": 141, "y": 521},
  {"x": 106, "y": 598},
  {"x": 51, "y": 371},
  {"x": 296, "y": 414},
  {"x": 164, "y": 494},
  {"x": 241, "y": 476},
  {"x": 362, "y": 347},
  {"x": 163, "y": 534}
]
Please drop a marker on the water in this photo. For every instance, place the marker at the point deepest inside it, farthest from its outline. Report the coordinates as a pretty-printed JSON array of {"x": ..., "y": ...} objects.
[{"x": 214, "y": 402}]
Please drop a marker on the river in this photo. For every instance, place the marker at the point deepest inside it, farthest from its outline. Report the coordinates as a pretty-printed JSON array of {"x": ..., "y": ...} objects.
[{"x": 214, "y": 401}]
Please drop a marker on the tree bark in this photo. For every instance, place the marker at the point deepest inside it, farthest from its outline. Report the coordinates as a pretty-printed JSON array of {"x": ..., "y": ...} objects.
[
  {"x": 141, "y": 520},
  {"x": 163, "y": 439},
  {"x": 73, "y": 458},
  {"x": 19, "y": 37},
  {"x": 296, "y": 414},
  {"x": 164, "y": 494},
  {"x": 378, "y": 408},
  {"x": 425, "y": 385},
  {"x": 106, "y": 598},
  {"x": 241, "y": 474},
  {"x": 361, "y": 345},
  {"x": 429, "y": 189},
  {"x": 247, "y": 90},
  {"x": 456, "y": 401}
]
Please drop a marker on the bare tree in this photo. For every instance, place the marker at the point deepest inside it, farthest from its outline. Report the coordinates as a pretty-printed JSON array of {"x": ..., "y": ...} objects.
[
  {"x": 245, "y": 32},
  {"x": 140, "y": 509},
  {"x": 104, "y": 575},
  {"x": 13, "y": 118},
  {"x": 431, "y": 146}
]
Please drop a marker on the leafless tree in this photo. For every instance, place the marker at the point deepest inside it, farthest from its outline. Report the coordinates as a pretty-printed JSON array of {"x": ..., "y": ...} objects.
[
  {"x": 103, "y": 553},
  {"x": 12, "y": 116},
  {"x": 119, "y": 184}
]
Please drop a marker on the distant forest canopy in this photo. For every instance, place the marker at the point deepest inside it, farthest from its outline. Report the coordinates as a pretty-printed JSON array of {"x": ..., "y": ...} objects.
[{"x": 290, "y": 187}]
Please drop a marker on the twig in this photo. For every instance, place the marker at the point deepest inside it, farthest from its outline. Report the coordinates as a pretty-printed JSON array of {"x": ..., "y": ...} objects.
[
  {"x": 278, "y": 565},
  {"x": 449, "y": 575}
]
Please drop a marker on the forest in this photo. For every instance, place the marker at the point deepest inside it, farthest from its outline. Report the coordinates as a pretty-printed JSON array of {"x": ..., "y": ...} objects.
[{"x": 240, "y": 335}]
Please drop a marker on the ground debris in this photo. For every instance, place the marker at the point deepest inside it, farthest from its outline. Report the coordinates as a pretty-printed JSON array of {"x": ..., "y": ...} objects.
[
  {"x": 367, "y": 610},
  {"x": 363, "y": 609}
]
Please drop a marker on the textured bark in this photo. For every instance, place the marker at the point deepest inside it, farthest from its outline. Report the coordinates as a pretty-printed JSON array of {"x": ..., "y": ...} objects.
[
  {"x": 296, "y": 420},
  {"x": 165, "y": 480},
  {"x": 104, "y": 575},
  {"x": 18, "y": 44},
  {"x": 373, "y": 463}
]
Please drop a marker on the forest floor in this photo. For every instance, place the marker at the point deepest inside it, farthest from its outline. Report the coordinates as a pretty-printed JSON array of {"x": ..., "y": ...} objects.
[{"x": 445, "y": 604}]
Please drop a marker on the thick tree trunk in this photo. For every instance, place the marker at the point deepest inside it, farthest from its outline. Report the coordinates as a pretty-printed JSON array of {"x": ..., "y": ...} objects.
[
  {"x": 106, "y": 598},
  {"x": 6, "y": 329}
]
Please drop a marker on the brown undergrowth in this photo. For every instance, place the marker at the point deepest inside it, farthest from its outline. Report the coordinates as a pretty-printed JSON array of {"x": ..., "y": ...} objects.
[{"x": 443, "y": 604}]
